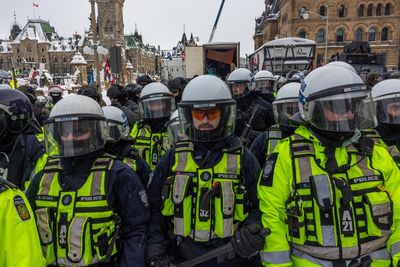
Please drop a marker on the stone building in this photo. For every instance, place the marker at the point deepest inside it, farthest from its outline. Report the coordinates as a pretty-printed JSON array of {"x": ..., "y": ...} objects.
[
  {"x": 38, "y": 42},
  {"x": 375, "y": 21}
]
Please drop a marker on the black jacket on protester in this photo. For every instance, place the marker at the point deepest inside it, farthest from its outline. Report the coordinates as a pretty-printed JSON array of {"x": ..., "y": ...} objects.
[
  {"x": 124, "y": 195},
  {"x": 159, "y": 234}
]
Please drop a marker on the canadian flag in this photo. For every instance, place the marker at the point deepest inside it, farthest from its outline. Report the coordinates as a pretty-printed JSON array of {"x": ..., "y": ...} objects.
[{"x": 35, "y": 5}]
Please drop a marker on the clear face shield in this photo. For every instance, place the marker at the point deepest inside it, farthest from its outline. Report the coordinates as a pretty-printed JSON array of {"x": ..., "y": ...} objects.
[
  {"x": 157, "y": 107},
  {"x": 345, "y": 112},
  {"x": 240, "y": 89},
  {"x": 284, "y": 111},
  {"x": 388, "y": 110},
  {"x": 174, "y": 133},
  {"x": 212, "y": 123},
  {"x": 265, "y": 86},
  {"x": 117, "y": 131},
  {"x": 71, "y": 137}
]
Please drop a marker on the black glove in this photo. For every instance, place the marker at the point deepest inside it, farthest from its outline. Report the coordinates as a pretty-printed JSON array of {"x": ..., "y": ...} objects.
[{"x": 249, "y": 240}]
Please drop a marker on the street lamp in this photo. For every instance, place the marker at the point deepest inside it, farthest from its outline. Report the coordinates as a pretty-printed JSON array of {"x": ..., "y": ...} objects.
[{"x": 305, "y": 14}]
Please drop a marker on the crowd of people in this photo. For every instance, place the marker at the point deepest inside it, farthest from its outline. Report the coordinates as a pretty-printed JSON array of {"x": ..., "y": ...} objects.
[{"x": 259, "y": 169}]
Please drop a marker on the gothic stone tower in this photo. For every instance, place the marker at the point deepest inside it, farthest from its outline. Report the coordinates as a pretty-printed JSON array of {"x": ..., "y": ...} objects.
[{"x": 110, "y": 21}]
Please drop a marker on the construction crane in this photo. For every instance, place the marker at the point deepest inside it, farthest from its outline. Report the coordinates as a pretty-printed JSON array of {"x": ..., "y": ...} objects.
[{"x": 216, "y": 21}]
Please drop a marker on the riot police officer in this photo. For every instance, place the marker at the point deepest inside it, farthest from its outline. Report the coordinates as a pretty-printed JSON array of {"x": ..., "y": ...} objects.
[
  {"x": 118, "y": 143},
  {"x": 328, "y": 193},
  {"x": 286, "y": 107},
  {"x": 253, "y": 114},
  {"x": 386, "y": 96},
  {"x": 22, "y": 155},
  {"x": 265, "y": 83},
  {"x": 203, "y": 190},
  {"x": 150, "y": 134},
  {"x": 119, "y": 100},
  {"x": 90, "y": 207}
]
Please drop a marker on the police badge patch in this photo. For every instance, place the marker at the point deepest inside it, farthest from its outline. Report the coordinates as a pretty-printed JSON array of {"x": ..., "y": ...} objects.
[
  {"x": 268, "y": 170},
  {"x": 22, "y": 209}
]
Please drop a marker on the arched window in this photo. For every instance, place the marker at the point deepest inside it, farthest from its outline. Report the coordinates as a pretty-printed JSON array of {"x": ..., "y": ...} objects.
[
  {"x": 385, "y": 34},
  {"x": 321, "y": 36},
  {"x": 341, "y": 11},
  {"x": 340, "y": 35},
  {"x": 359, "y": 35},
  {"x": 388, "y": 9},
  {"x": 322, "y": 10},
  {"x": 302, "y": 34},
  {"x": 55, "y": 59},
  {"x": 28, "y": 48},
  {"x": 43, "y": 59},
  {"x": 64, "y": 60},
  {"x": 371, "y": 34},
  {"x": 379, "y": 10},
  {"x": 360, "y": 11},
  {"x": 369, "y": 10}
]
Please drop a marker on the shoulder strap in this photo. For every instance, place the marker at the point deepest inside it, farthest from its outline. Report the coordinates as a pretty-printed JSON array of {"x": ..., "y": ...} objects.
[
  {"x": 103, "y": 163},
  {"x": 5, "y": 185},
  {"x": 301, "y": 147},
  {"x": 184, "y": 146},
  {"x": 53, "y": 165}
]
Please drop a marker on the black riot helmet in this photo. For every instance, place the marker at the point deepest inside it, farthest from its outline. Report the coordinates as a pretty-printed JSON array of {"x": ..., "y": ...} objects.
[{"x": 15, "y": 112}]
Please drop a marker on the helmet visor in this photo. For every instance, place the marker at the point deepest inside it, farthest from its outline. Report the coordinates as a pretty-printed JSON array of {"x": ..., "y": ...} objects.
[
  {"x": 174, "y": 133},
  {"x": 265, "y": 86},
  {"x": 207, "y": 124},
  {"x": 240, "y": 89},
  {"x": 70, "y": 138},
  {"x": 344, "y": 112},
  {"x": 117, "y": 131},
  {"x": 388, "y": 110},
  {"x": 152, "y": 108},
  {"x": 284, "y": 111}
]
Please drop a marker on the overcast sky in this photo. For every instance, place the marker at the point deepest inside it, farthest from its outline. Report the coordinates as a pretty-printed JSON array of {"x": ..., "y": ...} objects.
[{"x": 160, "y": 21}]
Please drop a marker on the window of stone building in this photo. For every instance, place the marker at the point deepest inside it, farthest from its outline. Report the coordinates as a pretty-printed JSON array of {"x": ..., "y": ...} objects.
[
  {"x": 28, "y": 49},
  {"x": 55, "y": 59},
  {"x": 385, "y": 34},
  {"x": 302, "y": 34},
  {"x": 43, "y": 59},
  {"x": 64, "y": 60},
  {"x": 19, "y": 60},
  {"x": 359, "y": 35},
  {"x": 371, "y": 34},
  {"x": 340, "y": 35},
  {"x": 360, "y": 11},
  {"x": 321, "y": 36},
  {"x": 43, "y": 50},
  {"x": 379, "y": 10},
  {"x": 1, "y": 63},
  {"x": 369, "y": 10},
  {"x": 322, "y": 10},
  {"x": 388, "y": 9},
  {"x": 341, "y": 11}
]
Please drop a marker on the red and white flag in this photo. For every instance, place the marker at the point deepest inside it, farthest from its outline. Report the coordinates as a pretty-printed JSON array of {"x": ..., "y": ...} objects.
[{"x": 35, "y": 5}]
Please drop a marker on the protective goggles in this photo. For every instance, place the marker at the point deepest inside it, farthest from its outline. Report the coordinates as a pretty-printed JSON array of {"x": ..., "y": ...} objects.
[{"x": 211, "y": 114}]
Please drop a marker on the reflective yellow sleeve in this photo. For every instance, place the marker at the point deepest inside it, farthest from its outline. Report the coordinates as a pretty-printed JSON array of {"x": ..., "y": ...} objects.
[
  {"x": 19, "y": 242},
  {"x": 391, "y": 173},
  {"x": 274, "y": 188}
]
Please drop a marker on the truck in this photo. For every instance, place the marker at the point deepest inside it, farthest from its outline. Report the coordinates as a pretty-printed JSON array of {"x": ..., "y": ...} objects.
[
  {"x": 217, "y": 58},
  {"x": 282, "y": 55}
]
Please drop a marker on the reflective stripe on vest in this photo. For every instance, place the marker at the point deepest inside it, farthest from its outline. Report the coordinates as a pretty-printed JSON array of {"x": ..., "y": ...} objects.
[
  {"x": 205, "y": 203},
  {"x": 151, "y": 146},
  {"x": 278, "y": 257},
  {"x": 342, "y": 215},
  {"x": 132, "y": 163},
  {"x": 274, "y": 135},
  {"x": 77, "y": 228}
]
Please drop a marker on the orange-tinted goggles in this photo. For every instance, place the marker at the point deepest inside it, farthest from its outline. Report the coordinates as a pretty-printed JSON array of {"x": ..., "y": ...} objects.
[{"x": 211, "y": 114}]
